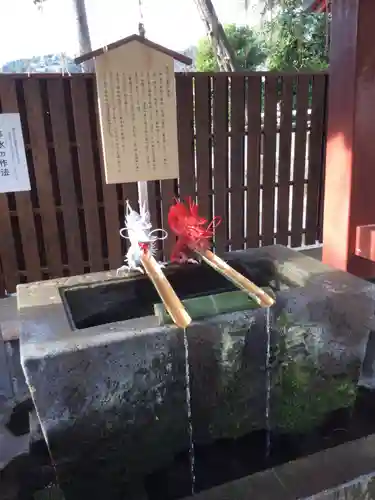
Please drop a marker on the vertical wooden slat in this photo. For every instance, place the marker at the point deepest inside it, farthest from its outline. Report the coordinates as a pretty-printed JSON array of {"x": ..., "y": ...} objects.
[
  {"x": 220, "y": 170},
  {"x": 203, "y": 143},
  {"x": 86, "y": 169},
  {"x": 185, "y": 127},
  {"x": 2, "y": 282},
  {"x": 299, "y": 159},
  {"x": 285, "y": 150},
  {"x": 154, "y": 203},
  {"x": 8, "y": 260},
  {"x": 111, "y": 209},
  {"x": 7, "y": 244},
  {"x": 153, "y": 189},
  {"x": 130, "y": 192},
  {"x": 315, "y": 158},
  {"x": 64, "y": 166},
  {"x": 237, "y": 163},
  {"x": 167, "y": 198},
  {"x": 253, "y": 159},
  {"x": 269, "y": 160},
  {"x": 9, "y": 103},
  {"x": 39, "y": 147},
  {"x": 323, "y": 164}
]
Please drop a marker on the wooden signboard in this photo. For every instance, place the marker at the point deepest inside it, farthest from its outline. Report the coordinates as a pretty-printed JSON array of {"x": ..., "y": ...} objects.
[
  {"x": 14, "y": 174},
  {"x": 137, "y": 107}
]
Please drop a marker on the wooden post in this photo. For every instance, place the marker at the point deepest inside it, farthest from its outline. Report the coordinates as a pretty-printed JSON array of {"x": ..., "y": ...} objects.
[
  {"x": 138, "y": 118},
  {"x": 349, "y": 207}
]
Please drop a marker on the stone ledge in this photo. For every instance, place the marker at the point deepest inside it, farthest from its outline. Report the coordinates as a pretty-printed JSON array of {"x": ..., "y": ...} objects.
[
  {"x": 9, "y": 323},
  {"x": 303, "y": 478}
]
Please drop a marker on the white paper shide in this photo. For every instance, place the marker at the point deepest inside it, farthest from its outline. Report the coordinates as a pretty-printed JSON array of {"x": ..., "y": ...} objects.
[{"x": 14, "y": 174}]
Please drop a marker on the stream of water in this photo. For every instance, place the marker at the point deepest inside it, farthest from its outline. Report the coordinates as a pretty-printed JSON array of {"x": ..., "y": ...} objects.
[
  {"x": 268, "y": 397},
  {"x": 268, "y": 380},
  {"x": 188, "y": 403}
]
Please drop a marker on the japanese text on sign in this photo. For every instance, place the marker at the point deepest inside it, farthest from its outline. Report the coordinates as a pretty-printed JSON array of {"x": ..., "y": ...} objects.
[
  {"x": 14, "y": 175},
  {"x": 137, "y": 105}
]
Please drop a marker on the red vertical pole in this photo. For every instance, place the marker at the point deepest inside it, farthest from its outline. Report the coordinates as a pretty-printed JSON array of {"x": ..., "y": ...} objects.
[
  {"x": 350, "y": 166},
  {"x": 2, "y": 283}
]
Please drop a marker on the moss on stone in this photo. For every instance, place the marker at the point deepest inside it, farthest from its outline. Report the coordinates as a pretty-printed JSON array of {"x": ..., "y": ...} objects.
[
  {"x": 302, "y": 394},
  {"x": 306, "y": 396}
]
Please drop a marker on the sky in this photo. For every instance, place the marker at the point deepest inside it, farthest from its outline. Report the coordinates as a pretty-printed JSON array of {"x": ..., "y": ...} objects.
[{"x": 27, "y": 32}]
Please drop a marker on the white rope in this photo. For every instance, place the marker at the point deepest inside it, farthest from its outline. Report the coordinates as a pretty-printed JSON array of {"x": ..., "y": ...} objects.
[{"x": 138, "y": 230}]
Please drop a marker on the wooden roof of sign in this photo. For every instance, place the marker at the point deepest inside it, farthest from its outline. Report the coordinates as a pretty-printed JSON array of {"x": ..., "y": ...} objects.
[{"x": 134, "y": 38}]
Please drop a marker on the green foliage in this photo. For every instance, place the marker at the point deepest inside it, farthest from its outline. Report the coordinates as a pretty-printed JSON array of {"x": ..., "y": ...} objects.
[
  {"x": 293, "y": 40},
  {"x": 245, "y": 42},
  {"x": 205, "y": 60},
  {"x": 296, "y": 39}
]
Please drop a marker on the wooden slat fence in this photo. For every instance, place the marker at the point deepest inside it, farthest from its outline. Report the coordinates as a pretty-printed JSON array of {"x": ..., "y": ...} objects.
[{"x": 251, "y": 149}]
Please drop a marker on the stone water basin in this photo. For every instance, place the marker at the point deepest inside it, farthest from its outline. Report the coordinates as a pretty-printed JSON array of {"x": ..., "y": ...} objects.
[{"x": 268, "y": 389}]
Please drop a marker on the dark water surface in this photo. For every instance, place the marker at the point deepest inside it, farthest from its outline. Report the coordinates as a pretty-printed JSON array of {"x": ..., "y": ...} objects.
[{"x": 121, "y": 300}]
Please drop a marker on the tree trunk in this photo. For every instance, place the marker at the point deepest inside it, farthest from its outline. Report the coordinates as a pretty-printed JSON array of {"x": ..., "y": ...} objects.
[
  {"x": 83, "y": 34},
  {"x": 225, "y": 55}
]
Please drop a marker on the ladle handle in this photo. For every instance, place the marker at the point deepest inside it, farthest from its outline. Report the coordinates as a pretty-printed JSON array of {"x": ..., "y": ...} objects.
[
  {"x": 169, "y": 297},
  {"x": 243, "y": 283}
]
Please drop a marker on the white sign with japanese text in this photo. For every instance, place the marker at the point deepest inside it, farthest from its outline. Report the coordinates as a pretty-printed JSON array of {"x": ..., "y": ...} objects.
[
  {"x": 138, "y": 115},
  {"x": 14, "y": 174}
]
